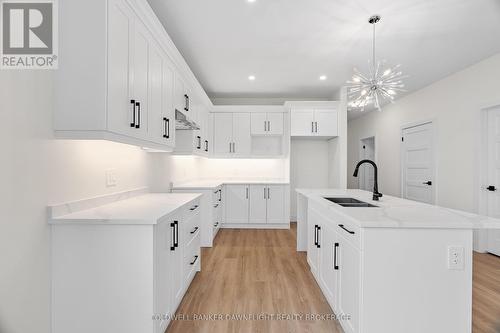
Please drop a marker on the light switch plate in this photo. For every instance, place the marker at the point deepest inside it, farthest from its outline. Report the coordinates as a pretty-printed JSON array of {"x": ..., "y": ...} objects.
[
  {"x": 111, "y": 177},
  {"x": 456, "y": 257}
]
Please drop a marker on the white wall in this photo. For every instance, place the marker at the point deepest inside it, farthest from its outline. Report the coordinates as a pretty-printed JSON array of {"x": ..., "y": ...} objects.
[
  {"x": 36, "y": 171},
  {"x": 309, "y": 167},
  {"x": 454, "y": 103}
]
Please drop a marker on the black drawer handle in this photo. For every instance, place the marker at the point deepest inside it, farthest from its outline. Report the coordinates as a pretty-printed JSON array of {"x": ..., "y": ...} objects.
[
  {"x": 199, "y": 142},
  {"x": 192, "y": 262},
  {"x": 491, "y": 188},
  {"x": 349, "y": 231},
  {"x": 216, "y": 224},
  {"x": 194, "y": 230},
  {"x": 216, "y": 205},
  {"x": 166, "y": 133},
  {"x": 193, "y": 208},
  {"x": 335, "y": 247}
]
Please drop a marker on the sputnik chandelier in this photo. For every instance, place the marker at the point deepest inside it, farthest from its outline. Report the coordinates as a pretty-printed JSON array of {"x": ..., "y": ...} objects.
[{"x": 379, "y": 85}]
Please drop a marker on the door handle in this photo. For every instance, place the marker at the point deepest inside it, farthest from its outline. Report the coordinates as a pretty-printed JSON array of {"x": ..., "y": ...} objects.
[
  {"x": 176, "y": 223},
  {"x": 268, "y": 194},
  {"x": 138, "y": 104},
  {"x": 335, "y": 247},
  {"x": 234, "y": 147},
  {"x": 269, "y": 126},
  {"x": 194, "y": 230},
  {"x": 193, "y": 208},
  {"x": 316, "y": 126},
  {"x": 186, "y": 102},
  {"x": 312, "y": 126},
  {"x": 206, "y": 146},
  {"x": 491, "y": 188},
  {"x": 172, "y": 246},
  {"x": 427, "y": 183},
  {"x": 220, "y": 195},
  {"x": 264, "y": 193},
  {"x": 247, "y": 192},
  {"x": 199, "y": 142},
  {"x": 349, "y": 231},
  {"x": 132, "y": 124}
]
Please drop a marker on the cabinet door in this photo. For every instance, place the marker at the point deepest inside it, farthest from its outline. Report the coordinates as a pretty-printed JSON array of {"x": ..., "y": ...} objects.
[
  {"x": 313, "y": 234},
  {"x": 168, "y": 104},
  {"x": 276, "y": 204},
  {"x": 275, "y": 123},
  {"x": 302, "y": 123},
  {"x": 259, "y": 123},
  {"x": 179, "y": 98},
  {"x": 329, "y": 263},
  {"x": 241, "y": 134},
  {"x": 176, "y": 258},
  {"x": 140, "y": 77},
  {"x": 237, "y": 203},
  {"x": 349, "y": 284},
  {"x": 156, "y": 125},
  {"x": 163, "y": 241},
  {"x": 258, "y": 201},
  {"x": 326, "y": 122},
  {"x": 223, "y": 133},
  {"x": 120, "y": 31}
]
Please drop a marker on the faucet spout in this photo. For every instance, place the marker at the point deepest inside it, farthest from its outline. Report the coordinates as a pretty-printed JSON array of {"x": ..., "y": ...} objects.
[{"x": 376, "y": 193}]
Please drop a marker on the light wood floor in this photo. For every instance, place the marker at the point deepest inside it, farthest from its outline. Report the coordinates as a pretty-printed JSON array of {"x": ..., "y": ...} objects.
[{"x": 260, "y": 272}]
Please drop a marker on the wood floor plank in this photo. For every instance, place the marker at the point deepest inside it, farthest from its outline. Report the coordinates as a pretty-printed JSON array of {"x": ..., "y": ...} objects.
[{"x": 260, "y": 272}]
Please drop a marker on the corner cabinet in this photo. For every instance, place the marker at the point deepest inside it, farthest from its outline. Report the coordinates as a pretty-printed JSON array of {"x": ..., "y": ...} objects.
[{"x": 115, "y": 81}]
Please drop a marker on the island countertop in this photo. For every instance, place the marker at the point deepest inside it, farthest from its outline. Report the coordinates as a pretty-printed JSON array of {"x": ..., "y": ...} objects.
[{"x": 393, "y": 212}]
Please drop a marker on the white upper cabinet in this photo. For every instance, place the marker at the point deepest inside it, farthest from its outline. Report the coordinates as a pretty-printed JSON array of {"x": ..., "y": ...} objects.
[
  {"x": 267, "y": 123},
  {"x": 232, "y": 134},
  {"x": 117, "y": 80},
  {"x": 314, "y": 122}
]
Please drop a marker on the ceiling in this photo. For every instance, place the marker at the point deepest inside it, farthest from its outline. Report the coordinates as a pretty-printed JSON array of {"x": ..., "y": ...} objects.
[{"x": 288, "y": 44}]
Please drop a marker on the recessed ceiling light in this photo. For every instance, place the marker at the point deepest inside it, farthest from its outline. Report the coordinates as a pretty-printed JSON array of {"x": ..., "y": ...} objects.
[
  {"x": 323, "y": 77},
  {"x": 251, "y": 77}
]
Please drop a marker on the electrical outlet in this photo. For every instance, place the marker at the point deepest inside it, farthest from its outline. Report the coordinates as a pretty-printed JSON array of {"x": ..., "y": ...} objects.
[
  {"x": 456, "y": 257},
  {"x": 111, "y": 178}
]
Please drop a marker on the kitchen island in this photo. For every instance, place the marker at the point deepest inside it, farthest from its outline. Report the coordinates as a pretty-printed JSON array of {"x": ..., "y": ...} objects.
[{"x": 398, "y": 266}]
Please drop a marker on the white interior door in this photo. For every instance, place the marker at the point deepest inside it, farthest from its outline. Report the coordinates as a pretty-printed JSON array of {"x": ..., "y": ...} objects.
[
  {"x": 494, "y": 177},
  {"x": 418, "y": 163},
  {"x": 367, "y": 172}
]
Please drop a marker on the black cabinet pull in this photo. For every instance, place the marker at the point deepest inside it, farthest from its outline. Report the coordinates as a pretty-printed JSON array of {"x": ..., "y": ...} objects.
[
  {"x": 427, "y": 183},
  {"x": 194, "y": 230},
  {"x": 172, "y": 246},
  {"x": 192, "y": 262},
  {"x": 132, "y": 124},
  {"x": 335, "y": 247},
  {"x": 166, "y": 133},
  {"x": 216, "y": 224},
  {"x": 193, "y": 208},
  {"x": 176, "y": 243},
  {"x": 220, "y": 195},
  {"x": 199, "y": 142},
  {"x": 315, "y": 235},
  {"x": 216, "y": 205},
  {"x": 491, "y": 188},
  {"x": 349, "y": 231},
  {"x": 186, "y": 102},
  {"x": 318, "y": 245},
  {"x": 138, "y": 104},
  {"x": 206, "y": 146}
]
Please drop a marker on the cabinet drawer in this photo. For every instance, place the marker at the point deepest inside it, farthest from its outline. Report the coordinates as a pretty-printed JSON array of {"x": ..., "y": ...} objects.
[
  {"x": 192, "y": 209},
  {"x": 349, "y": 231},
  {"x": 192, "y": 228},
  {"x": 192, "y": 258}
]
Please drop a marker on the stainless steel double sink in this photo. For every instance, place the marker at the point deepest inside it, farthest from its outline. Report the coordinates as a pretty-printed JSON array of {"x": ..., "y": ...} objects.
[{"x": 349, "y": 202}]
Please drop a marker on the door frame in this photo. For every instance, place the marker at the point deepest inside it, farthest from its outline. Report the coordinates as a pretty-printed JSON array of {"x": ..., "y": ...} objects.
[
  {"x": 360, "y": 150},
  {"x": 405, "y": 126},
  {"x": 481, "y": 174}
]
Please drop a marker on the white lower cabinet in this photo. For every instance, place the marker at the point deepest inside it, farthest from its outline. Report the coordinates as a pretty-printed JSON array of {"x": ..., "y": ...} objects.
[
  {"x": 256, "y": 205},
  {"x": 335, "y": 261},
  {"x": 123, "y": 278}
]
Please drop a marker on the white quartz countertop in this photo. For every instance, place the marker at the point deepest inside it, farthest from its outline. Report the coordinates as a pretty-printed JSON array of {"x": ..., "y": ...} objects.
[
  {"x": 395, "y": 212},
  {"x": 213, "y": 183},
  {"x": 147, "y": 208}
]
